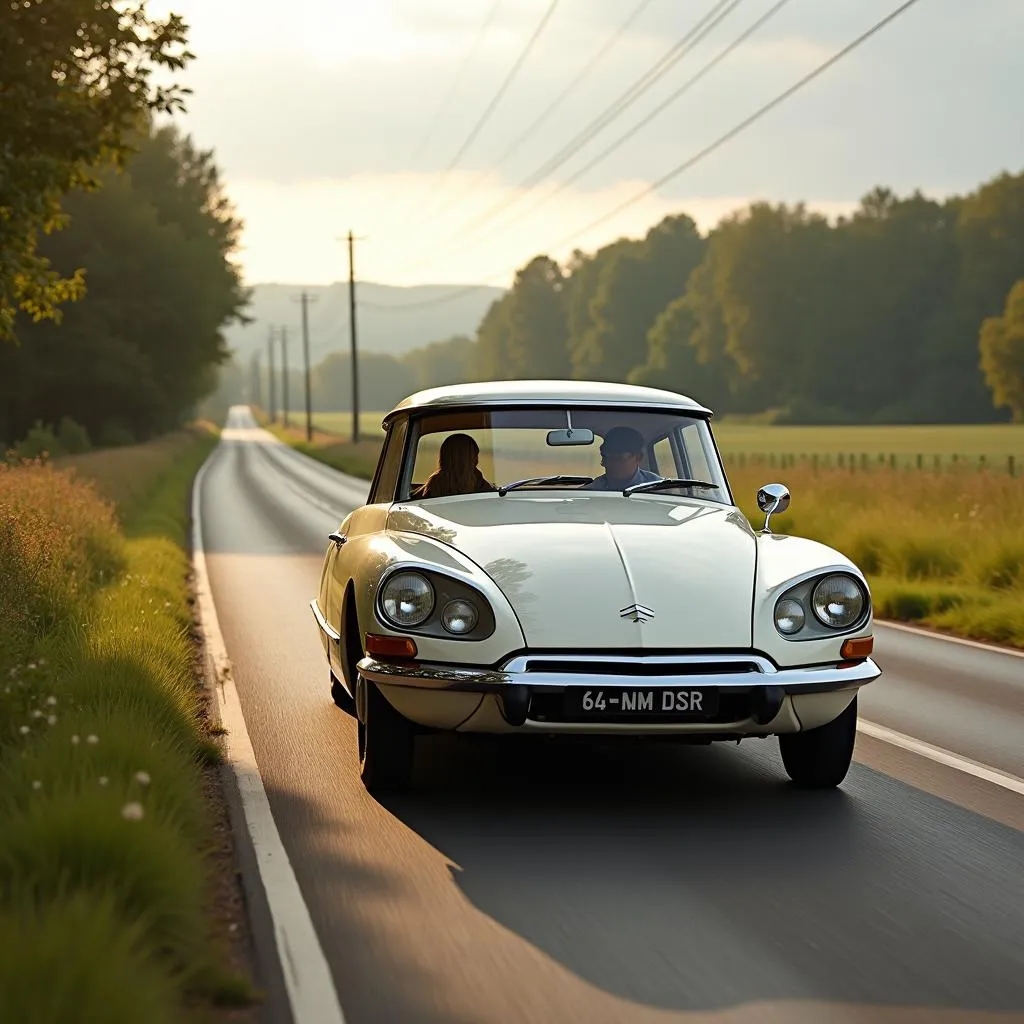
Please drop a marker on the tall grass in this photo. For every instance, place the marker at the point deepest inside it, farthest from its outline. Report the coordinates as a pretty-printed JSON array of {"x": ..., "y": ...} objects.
[
  {"x": 102, "y": 812},
  {"x": 945, "y": 550}
]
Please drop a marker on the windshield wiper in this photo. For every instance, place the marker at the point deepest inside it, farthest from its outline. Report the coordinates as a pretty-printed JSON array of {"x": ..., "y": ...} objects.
[
  {"x": 505, "y": 488},
  {"x": 656, "y": 485}
]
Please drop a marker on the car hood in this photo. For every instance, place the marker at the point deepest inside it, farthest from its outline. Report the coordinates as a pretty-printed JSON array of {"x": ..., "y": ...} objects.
[{"x": 604, "y": 571}]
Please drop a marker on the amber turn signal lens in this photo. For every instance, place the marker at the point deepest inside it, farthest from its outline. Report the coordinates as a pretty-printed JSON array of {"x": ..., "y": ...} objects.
[
  {"x": 858, "y": 647},
  {"x": 390, "y": 646}
]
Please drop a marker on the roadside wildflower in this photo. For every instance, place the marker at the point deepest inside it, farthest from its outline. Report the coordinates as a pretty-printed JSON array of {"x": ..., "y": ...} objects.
[
  {"x": 92, "y": 738},
  {"x": 24, "y": 730},
  {"x": 52, "y": 701},
  {"x": 103, "y": 780},
  {"x": 74, "y": 739},
  {"x": 52, "y": 719},
  {"x": 142, "y": 778},
  {"x": 132, "y": 812},
  {"x": 37, "y": 784}
]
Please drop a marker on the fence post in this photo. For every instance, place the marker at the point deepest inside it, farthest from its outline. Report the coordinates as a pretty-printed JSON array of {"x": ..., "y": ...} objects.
[
  {"x": 1010, "y": 464},
  {"x": 892, "y": 460},
  {"x": 938, "y": 463},
  {"x": 920, "y": 460}
]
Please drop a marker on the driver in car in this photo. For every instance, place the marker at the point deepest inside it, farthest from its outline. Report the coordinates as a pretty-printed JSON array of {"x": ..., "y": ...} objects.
[{"x": 621, "y": 454}]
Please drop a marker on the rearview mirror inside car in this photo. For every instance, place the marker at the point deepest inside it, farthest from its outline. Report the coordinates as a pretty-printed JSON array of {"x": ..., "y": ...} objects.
[{"x": 570, "y": 436}]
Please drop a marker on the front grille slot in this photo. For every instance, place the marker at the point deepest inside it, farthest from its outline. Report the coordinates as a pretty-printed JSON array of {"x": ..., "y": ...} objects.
[{"x": 640, "y": 668}]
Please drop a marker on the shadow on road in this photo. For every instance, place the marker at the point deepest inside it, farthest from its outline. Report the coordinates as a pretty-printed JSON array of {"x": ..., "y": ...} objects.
[{"x": 694, "y": 878}]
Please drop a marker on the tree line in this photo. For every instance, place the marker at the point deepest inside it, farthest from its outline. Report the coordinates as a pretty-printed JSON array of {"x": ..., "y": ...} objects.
[
  {"x": 898, "y": 313},
  {"x": 117, "y": 270}
]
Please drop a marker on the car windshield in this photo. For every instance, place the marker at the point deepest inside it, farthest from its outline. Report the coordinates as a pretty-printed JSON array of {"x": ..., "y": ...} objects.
[{"x": 509, "y": 451}]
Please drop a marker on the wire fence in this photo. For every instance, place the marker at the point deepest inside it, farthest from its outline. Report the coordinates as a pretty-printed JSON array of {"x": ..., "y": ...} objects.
[{"x": 865, "y": 462}]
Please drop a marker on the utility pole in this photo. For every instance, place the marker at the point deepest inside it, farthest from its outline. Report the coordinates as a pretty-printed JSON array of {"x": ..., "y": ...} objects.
[
  {"x": 352, "y": 336},
  {"x": 258, "y": 381},
  {"x": 284, "y": 372},
  {"x": 305, "y": 298},
  {"x": 273, "y": 393}
]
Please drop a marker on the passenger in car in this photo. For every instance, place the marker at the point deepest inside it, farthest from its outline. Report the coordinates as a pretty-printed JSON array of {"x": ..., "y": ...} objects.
[
  {"x": 621, "y": 453},
  {"x": 456, "y": 472}
]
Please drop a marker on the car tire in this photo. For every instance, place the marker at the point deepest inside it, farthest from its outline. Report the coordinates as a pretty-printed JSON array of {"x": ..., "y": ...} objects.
[
  {"x": 342, "y": 697},
  {"x": 386, "y": 750},
  {"x": 820, "y": 758}
]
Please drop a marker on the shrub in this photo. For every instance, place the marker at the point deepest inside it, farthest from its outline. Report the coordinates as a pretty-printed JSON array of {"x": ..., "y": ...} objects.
[
  {"x": 73, "y": 437},
  {"x": 39, "y": 442}
]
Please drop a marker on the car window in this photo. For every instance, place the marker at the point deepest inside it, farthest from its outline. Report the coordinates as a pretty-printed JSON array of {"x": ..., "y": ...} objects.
[
  {"x": 389, "y": 466},
  {"x": 512, "y": 445}
]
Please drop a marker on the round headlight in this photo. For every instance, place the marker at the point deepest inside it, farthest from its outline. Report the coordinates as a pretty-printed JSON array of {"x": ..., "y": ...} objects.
[
  {"x": 459, "y": 616},
  {"x": 789, "y": 616},
  {"x": 838, "y": 601},
  {"x": 408, "y": 599}
]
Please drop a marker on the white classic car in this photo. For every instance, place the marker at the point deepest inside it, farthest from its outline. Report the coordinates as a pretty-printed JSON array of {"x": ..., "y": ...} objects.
[{"x": 566, "y": 557}]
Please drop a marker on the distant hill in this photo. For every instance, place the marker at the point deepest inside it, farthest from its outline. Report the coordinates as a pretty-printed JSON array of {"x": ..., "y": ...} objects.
[{"x": 393, "y": 331}]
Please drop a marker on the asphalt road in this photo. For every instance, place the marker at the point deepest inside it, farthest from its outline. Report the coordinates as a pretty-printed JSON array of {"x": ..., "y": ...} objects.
[{"x": 532, "y": 882}]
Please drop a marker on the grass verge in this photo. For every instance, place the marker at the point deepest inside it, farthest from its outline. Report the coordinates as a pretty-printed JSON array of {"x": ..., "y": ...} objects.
[{"x": 109, "y": 841}]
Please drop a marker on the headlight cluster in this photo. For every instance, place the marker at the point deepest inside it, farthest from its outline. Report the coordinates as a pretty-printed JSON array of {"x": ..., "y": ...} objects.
[
  {"x": 409, "y": 601},
  {"x": 837, "y": 601}
]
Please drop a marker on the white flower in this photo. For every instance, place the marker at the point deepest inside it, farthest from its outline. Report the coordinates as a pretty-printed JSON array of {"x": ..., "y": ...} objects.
[
  {"x": 132, "y": 812},
  {"x": 37, "y": 714},
  {"x": 37, "y": 784},
  {"x": 32, "y": 665},
  {"x": 92, "y": 738},
  {"x": 42, "y": 661},
  {"x": 74, "y": 739},
  {"x": 52, "y": 701},
  {"x": 24, "y": 730},
  {"x": 52, "y": 719},
  {"x": 103, "y": 780},
  {"x": 142, "y": 778}
]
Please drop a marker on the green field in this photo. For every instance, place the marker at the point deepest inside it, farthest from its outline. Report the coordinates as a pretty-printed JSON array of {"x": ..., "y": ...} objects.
[{"x": 994, "y": 442}]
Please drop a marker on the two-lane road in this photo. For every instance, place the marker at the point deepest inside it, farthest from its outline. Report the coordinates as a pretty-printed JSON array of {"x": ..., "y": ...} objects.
[{"x": 529, "y": 882}]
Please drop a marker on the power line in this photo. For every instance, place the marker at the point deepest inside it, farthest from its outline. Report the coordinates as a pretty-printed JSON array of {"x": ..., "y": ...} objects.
[
  {"x": 699, "y": 156},
  {"x": 502, "y": 89},
  {"x": 622, "y": 139},
  {"x": 717, "y": 13},
  {"x": 577, "y": 80},
  {"x": 664, "y": 105},
  {"x": 453, "y": 88}
]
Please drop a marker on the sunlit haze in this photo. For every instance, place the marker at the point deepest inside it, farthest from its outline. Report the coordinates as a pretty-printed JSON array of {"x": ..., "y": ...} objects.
[{"x": 319, "y": 121}]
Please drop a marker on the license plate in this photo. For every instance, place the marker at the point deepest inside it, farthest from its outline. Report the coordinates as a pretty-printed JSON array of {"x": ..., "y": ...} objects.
[{"x": 681, "y": 702}]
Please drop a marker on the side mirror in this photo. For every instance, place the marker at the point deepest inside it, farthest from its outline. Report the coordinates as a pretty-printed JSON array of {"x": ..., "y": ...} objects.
[
  {"x": 570, "y": 436},
  {"x": 772, "y": 498}
]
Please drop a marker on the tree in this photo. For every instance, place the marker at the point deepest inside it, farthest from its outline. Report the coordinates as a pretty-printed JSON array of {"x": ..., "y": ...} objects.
[
  {"x": 136, "y": 353},
  {"x": 440, "y": 362},
  {"x": 536, "y": 341},
  {"x": 1002, "y": 354},
  {"x": 634, "y": 287},
  {"x": 76, "y": 84}
]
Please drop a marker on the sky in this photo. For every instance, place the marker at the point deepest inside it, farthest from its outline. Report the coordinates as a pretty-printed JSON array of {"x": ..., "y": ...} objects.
[{"x": 349, "y": 114}]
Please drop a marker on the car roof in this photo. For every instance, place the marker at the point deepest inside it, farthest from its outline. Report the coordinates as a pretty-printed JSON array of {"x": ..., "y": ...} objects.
[{"x": 546, "y": 392}]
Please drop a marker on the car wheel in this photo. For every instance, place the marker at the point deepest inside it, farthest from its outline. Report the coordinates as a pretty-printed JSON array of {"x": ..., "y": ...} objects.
[
  {"x": 820, "y": 758},
  {"x": 386, "y": 745},
  {"x": 341, "y": 696}
]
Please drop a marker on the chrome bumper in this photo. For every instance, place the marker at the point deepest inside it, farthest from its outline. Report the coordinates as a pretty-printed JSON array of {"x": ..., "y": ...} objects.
[{"x": 555, "y": 673}]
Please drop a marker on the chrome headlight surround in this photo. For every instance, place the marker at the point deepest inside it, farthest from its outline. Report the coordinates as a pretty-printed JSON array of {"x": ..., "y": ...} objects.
[
  {"x": 805, "y": 598},
  {"x": 458, "y": 611},
  {"x": 407, "y": 600}
]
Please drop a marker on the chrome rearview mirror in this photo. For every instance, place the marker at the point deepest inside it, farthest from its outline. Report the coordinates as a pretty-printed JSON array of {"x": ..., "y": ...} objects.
[
  {"x": 571, "y": 435},
  {"x": 772, "y": 498}
]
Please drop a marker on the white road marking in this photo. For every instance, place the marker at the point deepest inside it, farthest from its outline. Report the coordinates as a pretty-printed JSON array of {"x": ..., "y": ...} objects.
[
  {"x": 941, "y": 756},
  {"x": 308, "y": 980},
  {"x": 917, "y": 631}
]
